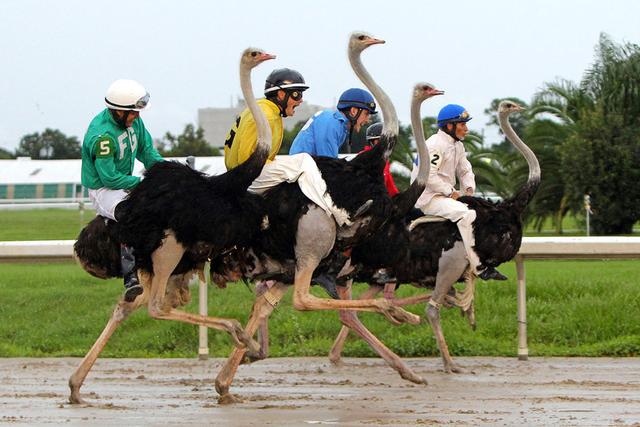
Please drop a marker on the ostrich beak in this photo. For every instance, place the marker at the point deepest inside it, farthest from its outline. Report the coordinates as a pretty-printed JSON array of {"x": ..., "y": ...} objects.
[
  {"x": 373, "y": 40},
  {"x": 266, "y": 57},
  {"x": 435, "y": 92}
]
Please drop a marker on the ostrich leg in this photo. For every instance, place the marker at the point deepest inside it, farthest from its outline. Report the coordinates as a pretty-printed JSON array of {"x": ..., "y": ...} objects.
[
  {"x": 165, "y": 259},
  {"x": 262, "y": 308},
  {"x": 350, "y": 319},
  {"x": 338, "y": 344},
  {"x": 336, "y": 351},
  {"x": 120, "y": 313},
  {"x": 309, "y": 252},
  {"x": 449, "y": 270}
]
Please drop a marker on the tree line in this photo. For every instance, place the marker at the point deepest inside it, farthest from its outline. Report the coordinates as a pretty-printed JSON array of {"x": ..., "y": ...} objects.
[{"x": 586, "y": 136}]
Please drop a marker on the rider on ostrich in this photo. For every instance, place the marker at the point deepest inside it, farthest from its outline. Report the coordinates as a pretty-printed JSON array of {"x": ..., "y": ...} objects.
[
  {"x": 283, "y": 91},
  {"x": 431, "y": 253},
  {"x": 115, "y": 138},
  {"x": 176, "y": 219},
  {"x": 448, "y": 160},
  {"x": 299, "y": 236},
  {"x": 327, "y": 130}
]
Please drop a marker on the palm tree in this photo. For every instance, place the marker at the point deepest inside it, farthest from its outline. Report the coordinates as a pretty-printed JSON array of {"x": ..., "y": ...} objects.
[{"x": 586, "y": 137}]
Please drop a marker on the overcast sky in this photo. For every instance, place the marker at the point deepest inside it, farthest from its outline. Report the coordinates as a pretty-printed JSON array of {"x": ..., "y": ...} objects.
[{"x": 59, "y": 57}]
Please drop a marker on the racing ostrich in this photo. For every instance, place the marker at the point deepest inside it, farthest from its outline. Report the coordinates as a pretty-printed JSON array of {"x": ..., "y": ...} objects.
[
  {"x": 433, "y": 253},
  {"x": 176, "y": 214},
  {"x": 300, "y": 235},
  {"x": 421, "y": 92}
]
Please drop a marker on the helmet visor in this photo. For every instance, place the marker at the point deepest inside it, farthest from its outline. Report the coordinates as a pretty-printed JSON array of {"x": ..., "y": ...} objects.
[{"x": 142, "y": 102}]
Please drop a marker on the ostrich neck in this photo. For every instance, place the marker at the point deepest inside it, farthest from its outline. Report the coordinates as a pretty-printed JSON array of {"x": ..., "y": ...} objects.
[
  {"x": 263, "y": 128},
  {"x": 418, "y": 134},
  {"x": 530, "y": 157},
  {"x": 388, "y": 110}
]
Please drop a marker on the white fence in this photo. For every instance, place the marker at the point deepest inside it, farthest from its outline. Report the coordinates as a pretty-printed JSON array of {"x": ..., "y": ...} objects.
[
  {"x": 532, "y": 248},
  {"x": 46, "y": 203}
]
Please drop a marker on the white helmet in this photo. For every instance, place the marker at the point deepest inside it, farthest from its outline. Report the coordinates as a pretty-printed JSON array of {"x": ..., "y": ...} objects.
[{"x": 126, "y": 95}]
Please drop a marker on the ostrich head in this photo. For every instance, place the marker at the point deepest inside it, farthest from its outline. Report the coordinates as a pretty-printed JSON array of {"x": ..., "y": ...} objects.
[
  {"x": 422, "y": 91},
  {"x": 507, "y": 107},
  {"x": 252, "y": 57},
  {"x": 359, "y": 41}
]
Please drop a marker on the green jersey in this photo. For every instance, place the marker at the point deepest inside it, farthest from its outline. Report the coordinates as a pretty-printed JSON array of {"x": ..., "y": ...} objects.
[{"x": 109, "y": 152}]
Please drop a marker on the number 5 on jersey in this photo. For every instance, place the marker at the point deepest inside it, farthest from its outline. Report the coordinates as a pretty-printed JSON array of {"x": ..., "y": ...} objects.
[{"x": 105, "y": 148}]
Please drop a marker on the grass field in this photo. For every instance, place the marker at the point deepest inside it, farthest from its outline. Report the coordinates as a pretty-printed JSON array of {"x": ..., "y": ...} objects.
[
  {"x": 578, "y": 308},
  {"x": 43, "y": 224}
]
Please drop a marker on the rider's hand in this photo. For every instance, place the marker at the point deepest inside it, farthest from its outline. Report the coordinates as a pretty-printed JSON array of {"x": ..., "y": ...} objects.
[{"x": 454, "y": 195}]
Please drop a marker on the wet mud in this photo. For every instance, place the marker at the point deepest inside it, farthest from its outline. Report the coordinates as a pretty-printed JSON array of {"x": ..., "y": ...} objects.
[{"x": 312, "y": 391}]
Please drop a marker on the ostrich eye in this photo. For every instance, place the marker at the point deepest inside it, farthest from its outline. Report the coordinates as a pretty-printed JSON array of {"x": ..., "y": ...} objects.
[
  {"x": 254, "y": 54},
  {"x": 362, "y": 37}
]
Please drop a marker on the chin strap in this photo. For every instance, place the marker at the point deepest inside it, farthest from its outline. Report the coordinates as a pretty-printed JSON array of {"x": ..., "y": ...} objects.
[
  {"x": 122, "y": 121},
  {"x": 452, "y": 132},
  {"x": 352, "y": 120},
  {"x": 282, "y": 105}
]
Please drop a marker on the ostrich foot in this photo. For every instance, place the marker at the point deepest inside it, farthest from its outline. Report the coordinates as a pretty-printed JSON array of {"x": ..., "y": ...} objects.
[
  {"x": 242, "y": 339},
  {"x": 251, "y": 357},
  {"x": 453, "y": 368},
  {"x": 75, "y": 399},
  {"x": 416, "y": 379},
  {"x": 397, "y": 315},
  {"x": 336, "y": 360},
  {"x": 229, "y": 399}
]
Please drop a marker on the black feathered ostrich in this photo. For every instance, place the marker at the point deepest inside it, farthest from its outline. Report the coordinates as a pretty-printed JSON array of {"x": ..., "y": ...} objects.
[
  {"x": 175, "y": 219},
  {"x": 429, "y": 254},
  {"x": 300, "y": 235}
]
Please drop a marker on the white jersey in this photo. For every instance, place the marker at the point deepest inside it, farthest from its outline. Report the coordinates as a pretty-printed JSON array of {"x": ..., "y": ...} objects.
[{"x": 448, "y": 160}]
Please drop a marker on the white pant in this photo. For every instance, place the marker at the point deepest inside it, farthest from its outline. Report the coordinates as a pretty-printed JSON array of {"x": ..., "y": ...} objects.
[
  {"x": 105, "y": 200},
  {"x": 459, "y": 213},
  {"x": 303, "y": 169}
]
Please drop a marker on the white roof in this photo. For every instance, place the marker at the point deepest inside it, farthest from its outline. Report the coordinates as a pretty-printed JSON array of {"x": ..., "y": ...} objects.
[{"x": 24, "y": 170}]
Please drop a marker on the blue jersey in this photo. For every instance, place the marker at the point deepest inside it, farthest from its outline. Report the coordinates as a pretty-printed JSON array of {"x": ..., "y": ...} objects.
[{"x": 322, "y": 135}]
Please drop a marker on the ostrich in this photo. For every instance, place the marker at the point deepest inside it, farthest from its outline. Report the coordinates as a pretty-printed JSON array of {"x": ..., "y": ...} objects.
[
  {"x": 175, "y": 219},
  {"x": 434, "y": 255},
  {"x": 421, "y": 92},
  {"x": 299, "y": 235}
]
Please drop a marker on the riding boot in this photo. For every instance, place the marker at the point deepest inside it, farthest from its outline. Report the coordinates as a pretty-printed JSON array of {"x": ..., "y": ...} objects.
[
  {"x": 382, "y": 277},
  {"x": 132, "y": 287},
  {"x": 490, "y": 273},
  {"x": 327, "y": 273}
]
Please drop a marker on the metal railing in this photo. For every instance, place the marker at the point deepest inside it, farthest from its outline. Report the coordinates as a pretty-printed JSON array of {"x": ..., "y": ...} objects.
[{"x": 43, "y": 203}]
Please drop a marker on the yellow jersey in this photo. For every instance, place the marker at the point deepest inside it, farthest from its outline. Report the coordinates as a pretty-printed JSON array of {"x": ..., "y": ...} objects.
[{"x": 242, "y": 138}]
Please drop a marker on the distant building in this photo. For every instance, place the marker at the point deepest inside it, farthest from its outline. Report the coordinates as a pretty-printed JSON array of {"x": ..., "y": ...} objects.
[
  {"x": 24, "y": 178},
  {"x": 216, "y": 122}
]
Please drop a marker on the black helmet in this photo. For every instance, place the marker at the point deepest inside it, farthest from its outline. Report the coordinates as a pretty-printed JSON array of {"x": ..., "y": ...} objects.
[
  {"x": 374, "y": 131},
  {"x": 284, "y": 78}
]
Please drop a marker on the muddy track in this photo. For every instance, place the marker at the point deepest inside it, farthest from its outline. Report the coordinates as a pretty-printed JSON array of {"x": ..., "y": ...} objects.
[{"x": 308, "y": 391}]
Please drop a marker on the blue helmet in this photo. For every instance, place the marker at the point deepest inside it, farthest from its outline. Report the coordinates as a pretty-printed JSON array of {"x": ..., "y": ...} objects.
[
  {"x": 452, "y": 113},
  {"x": 358, "y": 98}
]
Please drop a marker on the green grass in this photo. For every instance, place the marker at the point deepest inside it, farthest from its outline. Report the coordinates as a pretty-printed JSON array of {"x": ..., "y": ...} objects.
[
  {"x": 577, "y": 308},
  {"x": 43, "y": 224}
]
